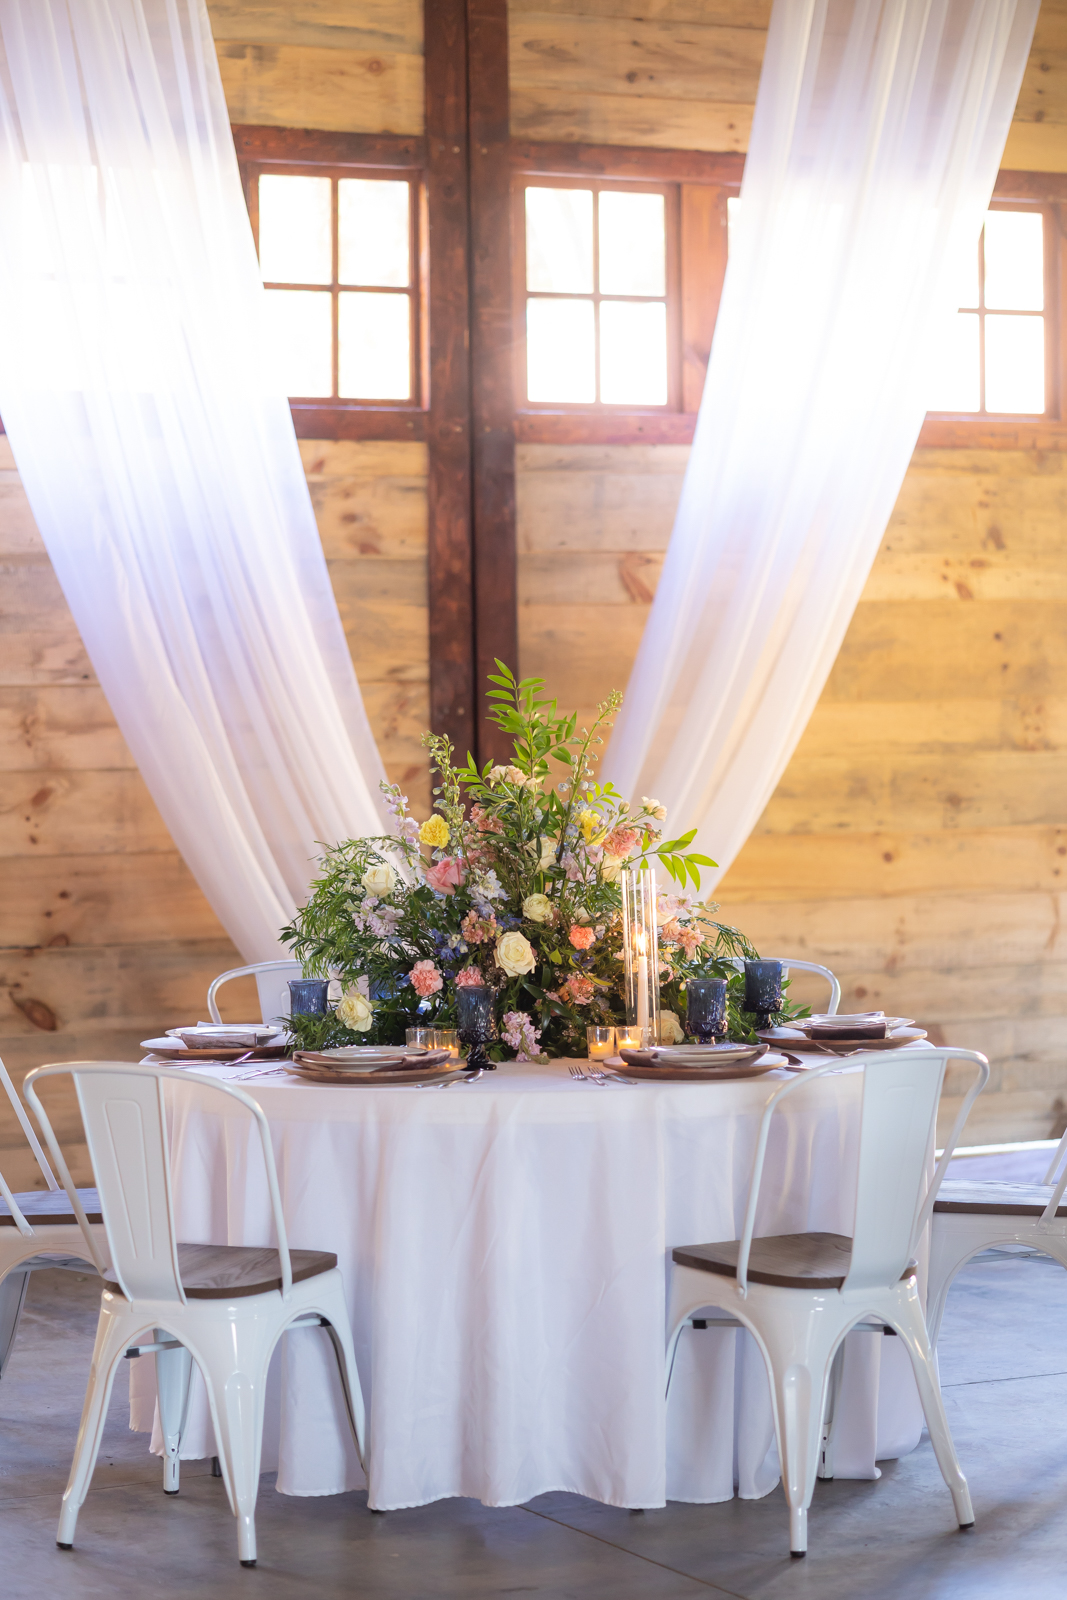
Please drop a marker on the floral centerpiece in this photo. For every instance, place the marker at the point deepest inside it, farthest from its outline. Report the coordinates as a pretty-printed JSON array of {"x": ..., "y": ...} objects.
[{"x": 511, "y": 882}]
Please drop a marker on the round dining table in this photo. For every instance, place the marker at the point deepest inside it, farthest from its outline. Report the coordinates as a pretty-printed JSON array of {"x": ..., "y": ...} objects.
[{"x": 505, "y": 1245}]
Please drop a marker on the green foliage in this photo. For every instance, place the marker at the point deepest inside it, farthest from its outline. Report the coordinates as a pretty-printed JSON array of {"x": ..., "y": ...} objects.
[{"x": 520, "y": 866}]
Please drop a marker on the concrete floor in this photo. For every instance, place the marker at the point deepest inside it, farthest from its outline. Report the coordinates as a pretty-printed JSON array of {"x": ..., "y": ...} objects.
[{"x": 1004, "y": 1373}]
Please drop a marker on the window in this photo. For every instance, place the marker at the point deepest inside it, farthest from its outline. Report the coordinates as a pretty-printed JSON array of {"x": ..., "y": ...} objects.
[
  {"x": 596, "y": 281},
  {"x": 339, "y": 255},
  {"x": 996, "y": 357}
]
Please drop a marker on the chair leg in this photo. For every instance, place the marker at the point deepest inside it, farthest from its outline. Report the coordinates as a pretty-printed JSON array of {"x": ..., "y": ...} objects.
[
  {"x": 174, "y": 1370},
  {"x": 911, "y": 1327},
  {"x": 235, "y": 1372},
  {"x": 113, "y": 1334},
  {"x": 833, "y": 1391},
  {"x": 12, "y": 1298},
  {"x": 336, "y": 1313},
  {"x": 798, "y": 1357}
]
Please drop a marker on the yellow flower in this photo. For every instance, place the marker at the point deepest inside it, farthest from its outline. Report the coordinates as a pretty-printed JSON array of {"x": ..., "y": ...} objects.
[
  {"x": 515, "y": 954},
  {"x": 592, "y": 826},
  {"x": 434, "y": 832},
  {"x": 355, "y": 1011}
]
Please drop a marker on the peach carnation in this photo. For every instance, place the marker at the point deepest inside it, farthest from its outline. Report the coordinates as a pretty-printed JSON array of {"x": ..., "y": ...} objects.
[
  {"x": 469, "y": 978},
  {"x": 425, "y": 978},
  {"x": 581, "y": 938},
  {"x": 620, "y": 841}
]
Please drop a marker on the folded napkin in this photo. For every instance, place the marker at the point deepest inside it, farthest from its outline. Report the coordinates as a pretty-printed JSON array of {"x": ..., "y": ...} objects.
[{"x": 847, "y": 1030}]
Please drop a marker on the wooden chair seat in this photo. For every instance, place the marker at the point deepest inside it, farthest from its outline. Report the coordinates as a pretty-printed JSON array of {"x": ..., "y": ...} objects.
[
  {"x": 231, "y": 1271},
  {"x": 784, "y": 1260},
  {"x": 991, "y": 1199},
  {"x": 44, "y": 1208}
]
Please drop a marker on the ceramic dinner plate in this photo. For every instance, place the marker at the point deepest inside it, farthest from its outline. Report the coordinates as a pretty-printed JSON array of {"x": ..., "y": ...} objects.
[
  {"x": 172, "y": 1049},
  {"x": 793, "y": 1039},
  {"x": 759, "y": 1062},
  {"x": 694, "y": 1055},
  {"x": 357, "y": 1061},
  {"x": 384, "y": 1077},
  {"x": 806, "y": 1023}
]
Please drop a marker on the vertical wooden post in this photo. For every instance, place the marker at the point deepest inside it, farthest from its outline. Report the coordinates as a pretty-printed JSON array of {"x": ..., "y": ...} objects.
[
  {"x": 450, "y": 561},
  {"x": 492, "y": 343}
]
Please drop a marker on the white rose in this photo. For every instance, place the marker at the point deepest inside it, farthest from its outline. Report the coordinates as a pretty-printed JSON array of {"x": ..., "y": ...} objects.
[
  {"x": 355, "y": 1010},
  {"x": 515, "y": 954},
  {"x": 537, "y": 907},
  {"x": 380, "y": 879},
  {"x": 548, "y": 854},
  {"x": 610, "y": 867},
  {"x": 670, "y": 1029}
]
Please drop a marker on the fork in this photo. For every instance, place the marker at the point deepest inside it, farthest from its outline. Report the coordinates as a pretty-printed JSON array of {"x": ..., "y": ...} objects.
[{"x": 577, "y": 1074}]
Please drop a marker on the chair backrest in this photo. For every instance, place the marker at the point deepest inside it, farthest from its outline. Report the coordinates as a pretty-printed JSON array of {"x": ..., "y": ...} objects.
[
  {"x": 272, "y": 981},
  {"x": 124, "y": 1116},
  {"x": 901, "y": 1091},
  {"x": 790, "y": 964}
]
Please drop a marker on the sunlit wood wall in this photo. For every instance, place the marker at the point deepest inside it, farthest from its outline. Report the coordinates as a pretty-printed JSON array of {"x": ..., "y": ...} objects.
[{"x": 914, "y": 840}]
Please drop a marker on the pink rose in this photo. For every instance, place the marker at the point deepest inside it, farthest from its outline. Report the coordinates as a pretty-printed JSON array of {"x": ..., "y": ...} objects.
[
  {"x": 579, "y": 989},
  {"x": 425, "y": 978},
  {"x": 581, "y": 938},
  {"x": 469, "y": 978},
  {"x": 446, "y": 876}
]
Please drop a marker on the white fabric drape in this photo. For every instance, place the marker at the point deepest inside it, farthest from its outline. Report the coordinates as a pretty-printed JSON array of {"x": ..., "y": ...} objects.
[
  {"x": 159, "y": 461},
  {"x": 878, "y": 131}
]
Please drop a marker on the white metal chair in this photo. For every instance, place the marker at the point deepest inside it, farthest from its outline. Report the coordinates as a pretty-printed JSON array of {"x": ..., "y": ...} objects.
[
  {"x": 790, "y": 965},
  {"x": 800, "y": 1294},
  {"x": 223, "y": 1306},
  {"x": 970, "y": 1216},
  {"x": 37, "y": 1229},
  {"x": 272, "y": 981}
]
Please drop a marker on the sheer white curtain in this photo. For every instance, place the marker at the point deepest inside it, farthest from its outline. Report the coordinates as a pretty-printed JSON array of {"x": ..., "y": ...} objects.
[
  {"x": 878, "y": 131},
  {"x": 159, "y": 459}
]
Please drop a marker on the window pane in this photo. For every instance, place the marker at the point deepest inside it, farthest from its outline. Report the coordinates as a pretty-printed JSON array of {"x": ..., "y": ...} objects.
[
  {"x": 1015, "y": 261},
  {"x": 300, "y": 331},
  {"x": 632, "y": 244},
  {"x": 374, "y": 354},
  {"x": 633, "y": 353},
  {"x": 1015, "y": 364},
  {"x": 560, "y": 351},
  {"x": 955, "y": 385},
  {"x": 294, "y": 231},
  {"x": 373, "y": 232},
  {"x": 559, "y": 240}
]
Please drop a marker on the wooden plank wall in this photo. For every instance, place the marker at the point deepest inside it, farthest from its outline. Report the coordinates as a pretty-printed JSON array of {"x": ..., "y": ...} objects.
[{"x": 917, "y": 843}]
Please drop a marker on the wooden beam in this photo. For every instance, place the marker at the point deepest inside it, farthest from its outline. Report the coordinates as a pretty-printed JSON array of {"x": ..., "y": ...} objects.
[
  {"x": 450, "y": 553},
  {"x": 358, "y": 422},
  {"x": 627, "y": 161},
  {"x": 604, "y": 427},
  {"x": 496, "y": 630},
  {"x": 295, "y": 147}
]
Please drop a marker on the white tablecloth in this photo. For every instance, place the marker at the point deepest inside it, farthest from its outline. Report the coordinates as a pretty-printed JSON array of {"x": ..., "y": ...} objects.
[{"x": 505, "y": 1248}]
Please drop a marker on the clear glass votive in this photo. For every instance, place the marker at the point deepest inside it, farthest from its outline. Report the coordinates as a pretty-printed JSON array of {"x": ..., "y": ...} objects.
[
  {"x": 446, "y": 1039},
  {"x": 422, "y": 1037},
  {"x": 600, "y": 1043},
  {"x": 628, "y": 1039}
]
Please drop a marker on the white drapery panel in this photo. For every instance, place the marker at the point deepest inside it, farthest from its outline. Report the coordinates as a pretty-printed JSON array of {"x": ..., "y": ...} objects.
[
  {"x": 160, "y": 464},
  {"x": 878, "y": 132}
]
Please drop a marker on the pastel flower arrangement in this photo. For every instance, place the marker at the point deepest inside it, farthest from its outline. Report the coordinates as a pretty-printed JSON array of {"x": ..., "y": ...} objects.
[{"x": 511, "y": 882}]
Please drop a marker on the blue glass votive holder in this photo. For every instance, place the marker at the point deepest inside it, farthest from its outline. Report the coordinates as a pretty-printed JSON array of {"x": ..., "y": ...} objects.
[
  {"x": 763, "y": 989},
  {"x": 477, "y": 1026},
  {"x": 705, "y": 1016},
  {"x": 307, "y": 996}
]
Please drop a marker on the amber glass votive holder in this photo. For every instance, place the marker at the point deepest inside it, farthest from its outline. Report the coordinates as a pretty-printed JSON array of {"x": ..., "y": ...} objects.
[{"x": 421, "y": 1038}]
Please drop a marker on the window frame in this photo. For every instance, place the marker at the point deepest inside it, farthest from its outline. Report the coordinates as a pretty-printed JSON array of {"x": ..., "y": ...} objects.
[
  {"x": 671, "y": 298},
  {"x": 308, "y": 153},
  {"x": 1054, "y": 364}
]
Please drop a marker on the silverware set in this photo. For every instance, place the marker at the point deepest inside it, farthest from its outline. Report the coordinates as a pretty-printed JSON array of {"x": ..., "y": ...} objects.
[{"x": 595, "y": 1075}]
